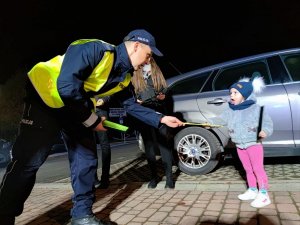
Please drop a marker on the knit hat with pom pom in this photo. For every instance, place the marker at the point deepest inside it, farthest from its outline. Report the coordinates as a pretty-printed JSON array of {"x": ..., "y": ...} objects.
[{"x": 246, "y": 86}]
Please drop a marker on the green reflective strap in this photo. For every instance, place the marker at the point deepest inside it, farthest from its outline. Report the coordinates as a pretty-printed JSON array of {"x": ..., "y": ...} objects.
[{"x": 113, "y": 125}]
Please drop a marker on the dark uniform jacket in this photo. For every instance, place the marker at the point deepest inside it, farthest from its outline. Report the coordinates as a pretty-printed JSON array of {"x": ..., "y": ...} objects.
[{"x": 79, "y": 62}]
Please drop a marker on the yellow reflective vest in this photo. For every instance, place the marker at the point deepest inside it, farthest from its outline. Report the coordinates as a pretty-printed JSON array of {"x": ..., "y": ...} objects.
[{"x": 44, "y": 76}]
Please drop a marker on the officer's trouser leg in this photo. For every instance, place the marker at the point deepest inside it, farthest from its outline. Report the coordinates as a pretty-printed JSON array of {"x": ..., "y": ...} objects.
[
  {"x": 83, "y": 165},
  {"x": 29, "y": 152}
]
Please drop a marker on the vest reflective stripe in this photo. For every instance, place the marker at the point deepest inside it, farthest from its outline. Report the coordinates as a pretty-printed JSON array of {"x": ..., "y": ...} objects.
[
  {"x": 43, "y": 77},
  {"x": 100, "y": 74},
  {"x": 118, "y": 88},
  {"x": 83, "y": 41}
]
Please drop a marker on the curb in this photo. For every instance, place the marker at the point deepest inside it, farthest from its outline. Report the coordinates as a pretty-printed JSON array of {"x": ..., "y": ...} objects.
[{"x": 278, "y": 185}]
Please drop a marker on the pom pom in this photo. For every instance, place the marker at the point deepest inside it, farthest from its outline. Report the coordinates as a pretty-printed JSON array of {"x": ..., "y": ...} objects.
[{"x": 258, "y": 85}]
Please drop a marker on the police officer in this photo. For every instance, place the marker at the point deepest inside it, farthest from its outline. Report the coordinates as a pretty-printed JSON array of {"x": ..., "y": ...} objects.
[{"x": 60, "y": 98}]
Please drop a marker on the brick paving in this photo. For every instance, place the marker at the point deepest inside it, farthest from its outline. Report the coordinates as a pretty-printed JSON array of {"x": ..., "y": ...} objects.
[{"x": 206, "y": 199}]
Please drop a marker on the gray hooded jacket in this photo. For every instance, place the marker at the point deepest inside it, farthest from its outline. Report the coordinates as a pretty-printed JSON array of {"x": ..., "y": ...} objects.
[{"x": 243, "y": 124}]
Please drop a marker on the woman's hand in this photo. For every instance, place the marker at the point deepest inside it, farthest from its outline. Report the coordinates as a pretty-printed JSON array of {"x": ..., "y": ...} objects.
[{"x": 161, "y": 96}]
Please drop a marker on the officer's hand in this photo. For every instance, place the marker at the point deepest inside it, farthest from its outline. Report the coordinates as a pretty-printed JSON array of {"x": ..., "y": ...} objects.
[
  {"x": 171, "y": 121},
  {"x": 100, "y": 126}
]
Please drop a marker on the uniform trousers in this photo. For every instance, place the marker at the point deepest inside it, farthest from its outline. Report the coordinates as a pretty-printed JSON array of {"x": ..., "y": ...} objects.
[{"x": 40, "y": 128}]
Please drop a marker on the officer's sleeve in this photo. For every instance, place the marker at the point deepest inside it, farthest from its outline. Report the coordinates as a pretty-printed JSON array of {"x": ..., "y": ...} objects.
[
  {"x": 146, "y": 115},
  {"x": 78, "y": 64}
]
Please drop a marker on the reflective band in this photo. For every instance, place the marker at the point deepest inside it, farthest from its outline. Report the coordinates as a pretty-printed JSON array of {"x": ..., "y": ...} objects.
[{"x": 91, "y": 120}]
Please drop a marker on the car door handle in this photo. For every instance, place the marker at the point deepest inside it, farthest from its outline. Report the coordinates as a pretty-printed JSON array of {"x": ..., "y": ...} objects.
[{"x": 217, "y": 101}]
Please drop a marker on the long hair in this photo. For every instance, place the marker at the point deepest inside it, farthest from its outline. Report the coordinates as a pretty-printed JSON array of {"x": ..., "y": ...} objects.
[{"x": 158, "y": 79}]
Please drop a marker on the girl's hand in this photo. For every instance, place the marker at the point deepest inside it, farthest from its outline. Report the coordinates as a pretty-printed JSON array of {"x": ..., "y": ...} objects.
[{"x": 262, "y": 134}]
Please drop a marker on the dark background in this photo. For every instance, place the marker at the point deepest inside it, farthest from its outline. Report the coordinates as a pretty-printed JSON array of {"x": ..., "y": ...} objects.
[{"x": 191, "y": 34}]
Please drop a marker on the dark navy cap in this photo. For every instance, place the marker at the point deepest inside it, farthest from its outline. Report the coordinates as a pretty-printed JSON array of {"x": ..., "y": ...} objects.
[
  {"x": 245, "y": 88},
  {"x": 144, "y": 37}
]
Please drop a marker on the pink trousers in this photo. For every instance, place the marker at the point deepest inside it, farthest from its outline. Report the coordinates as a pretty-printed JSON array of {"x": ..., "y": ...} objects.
[{"x": 252, "y": 159}]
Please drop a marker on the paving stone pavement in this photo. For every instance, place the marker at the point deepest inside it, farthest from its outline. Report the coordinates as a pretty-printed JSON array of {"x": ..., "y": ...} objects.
[{"x": 202, "y": 199}]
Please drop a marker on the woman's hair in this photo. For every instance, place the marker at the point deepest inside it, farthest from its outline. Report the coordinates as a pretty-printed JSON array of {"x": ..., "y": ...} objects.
[{"x": 157, "y": 77}]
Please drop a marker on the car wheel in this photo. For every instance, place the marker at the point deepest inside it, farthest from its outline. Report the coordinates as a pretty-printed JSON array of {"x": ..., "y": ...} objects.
[{"x": 198, "y": 150}]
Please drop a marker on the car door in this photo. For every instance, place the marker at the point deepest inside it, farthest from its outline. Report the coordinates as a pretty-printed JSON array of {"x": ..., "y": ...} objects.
[
  {"x": 293, "y": 93},
  {"x": 184, "y": 94},
  {"x": 292, "y": 65}
]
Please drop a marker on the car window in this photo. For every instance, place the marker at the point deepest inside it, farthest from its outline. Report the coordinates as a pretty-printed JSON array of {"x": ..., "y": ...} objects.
[
  {"x": 293, "y": 65},
  {"x": 278, "y": 71},
  {"x": 227, "y": 76},
  {"x": 189, "y": 85}
]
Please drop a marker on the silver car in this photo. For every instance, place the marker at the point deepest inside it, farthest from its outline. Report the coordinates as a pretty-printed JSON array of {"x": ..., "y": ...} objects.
[{"x": 203, "y": 93}]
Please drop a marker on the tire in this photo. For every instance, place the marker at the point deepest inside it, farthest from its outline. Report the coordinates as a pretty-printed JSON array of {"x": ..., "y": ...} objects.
[{"x": 199, "y": 151}]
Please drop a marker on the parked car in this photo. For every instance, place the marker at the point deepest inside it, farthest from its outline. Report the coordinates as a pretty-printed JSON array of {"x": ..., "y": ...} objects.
[
  {"x": 203, "y": 93},
  {"x": 5, "y": 152}
]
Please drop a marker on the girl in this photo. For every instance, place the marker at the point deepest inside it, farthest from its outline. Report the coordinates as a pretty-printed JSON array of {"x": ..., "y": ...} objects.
[{"x": 242, "y": 119}]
